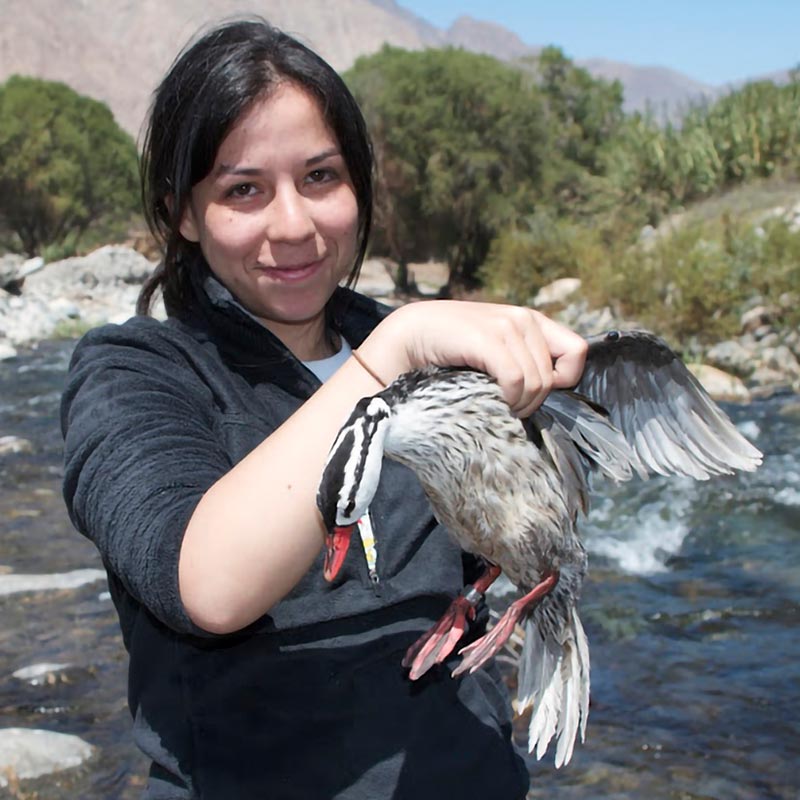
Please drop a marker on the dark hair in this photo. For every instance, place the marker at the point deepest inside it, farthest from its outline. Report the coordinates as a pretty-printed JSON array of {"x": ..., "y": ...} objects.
[{"x": 212, "y": 82}]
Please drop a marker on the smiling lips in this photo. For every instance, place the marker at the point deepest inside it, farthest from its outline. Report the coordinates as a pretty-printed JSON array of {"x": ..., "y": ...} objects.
[{"x": 292, "y": 273}]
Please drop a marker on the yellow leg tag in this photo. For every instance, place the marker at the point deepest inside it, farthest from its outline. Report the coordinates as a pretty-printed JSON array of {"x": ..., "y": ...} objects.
[{"x": 368, "y": 540}]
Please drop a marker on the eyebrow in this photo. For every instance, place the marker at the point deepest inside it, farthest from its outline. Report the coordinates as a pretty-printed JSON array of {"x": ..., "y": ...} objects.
[{"x": 231, "y": 169}]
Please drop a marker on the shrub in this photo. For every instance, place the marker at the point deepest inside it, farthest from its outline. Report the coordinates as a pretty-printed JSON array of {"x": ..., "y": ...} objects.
[{"x": 65, "y": 167}]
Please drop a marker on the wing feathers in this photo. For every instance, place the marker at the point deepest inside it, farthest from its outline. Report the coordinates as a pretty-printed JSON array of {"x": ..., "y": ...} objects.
[{"x": 664, "y": 413}]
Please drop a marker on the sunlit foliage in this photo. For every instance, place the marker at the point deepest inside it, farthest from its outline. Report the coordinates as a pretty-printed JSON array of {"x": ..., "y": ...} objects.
[{"x": 65, "y": 167}]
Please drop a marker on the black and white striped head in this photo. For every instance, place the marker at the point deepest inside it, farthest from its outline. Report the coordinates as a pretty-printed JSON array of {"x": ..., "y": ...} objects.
[{"x": 350, "y": 477}]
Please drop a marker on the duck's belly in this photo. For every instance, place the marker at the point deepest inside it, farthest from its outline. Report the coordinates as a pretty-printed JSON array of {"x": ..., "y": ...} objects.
[{"x": 510, "y": 511}]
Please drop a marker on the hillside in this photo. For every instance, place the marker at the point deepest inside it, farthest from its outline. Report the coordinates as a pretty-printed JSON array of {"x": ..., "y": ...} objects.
[{"x": 116, "y": 50}]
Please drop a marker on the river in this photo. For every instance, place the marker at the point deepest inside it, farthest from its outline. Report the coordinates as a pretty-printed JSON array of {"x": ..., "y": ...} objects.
[{"x": 691, "y": 610}]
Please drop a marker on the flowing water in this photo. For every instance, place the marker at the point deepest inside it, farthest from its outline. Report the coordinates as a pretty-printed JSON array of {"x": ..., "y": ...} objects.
[{"x": 691, "y": 611}]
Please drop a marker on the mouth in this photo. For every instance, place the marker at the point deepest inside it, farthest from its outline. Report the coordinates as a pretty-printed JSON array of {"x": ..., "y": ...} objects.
[
  {"x": 292, "y": 273},
  {"x": 337, "y": 543}
]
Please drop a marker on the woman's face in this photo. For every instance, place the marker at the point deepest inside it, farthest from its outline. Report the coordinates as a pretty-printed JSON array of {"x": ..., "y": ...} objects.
[{"x": 277, "y": 216}]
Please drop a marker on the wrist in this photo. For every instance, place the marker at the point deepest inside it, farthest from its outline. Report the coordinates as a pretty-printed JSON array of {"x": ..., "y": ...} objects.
[
  {"x": 386, "y": 350},
  {"x": 368, "y": 369}
]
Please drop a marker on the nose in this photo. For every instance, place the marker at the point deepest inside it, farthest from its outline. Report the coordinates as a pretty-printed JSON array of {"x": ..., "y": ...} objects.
[{"x": 289, "y": 217}]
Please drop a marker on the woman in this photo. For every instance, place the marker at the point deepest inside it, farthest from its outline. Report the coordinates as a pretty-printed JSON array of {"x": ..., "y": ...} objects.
[{"x": 194, "y": 448}]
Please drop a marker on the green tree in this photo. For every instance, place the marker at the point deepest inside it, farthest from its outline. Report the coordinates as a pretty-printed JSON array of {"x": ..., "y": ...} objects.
[
  {"x": 65, "y": 165},
  {"x": 584, "y": 111},
  {"x": 460, "y": 140},
  {"x": 581, "y": 116}
]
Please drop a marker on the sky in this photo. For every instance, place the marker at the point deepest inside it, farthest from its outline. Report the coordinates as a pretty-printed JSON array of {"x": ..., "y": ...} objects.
[{"x": 712, "y": 41}]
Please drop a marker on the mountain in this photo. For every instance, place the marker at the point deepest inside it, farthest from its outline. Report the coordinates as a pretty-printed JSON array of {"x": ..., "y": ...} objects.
[
  {"x": 664, "y": 90},
  {"x": 487, "y": 37},
  {"x": 117, "y": 50}
]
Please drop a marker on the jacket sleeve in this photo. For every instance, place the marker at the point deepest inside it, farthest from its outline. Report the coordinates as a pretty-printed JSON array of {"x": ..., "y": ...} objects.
[{"x": 139, "y": 453}]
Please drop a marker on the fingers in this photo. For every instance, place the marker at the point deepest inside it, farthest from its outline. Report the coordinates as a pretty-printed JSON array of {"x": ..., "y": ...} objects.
[
  {"x": 567, "y": 349},
  {"x": 538, "y": 355},
  {"x": 524, "y": 351},
  {"x": 537, "y": 346},
  {"x": 520, "y": 361},
  {"x": 517, "y": 373}
]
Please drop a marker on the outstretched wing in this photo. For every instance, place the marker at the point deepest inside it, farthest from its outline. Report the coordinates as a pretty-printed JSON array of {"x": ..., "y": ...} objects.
[{"x": 664, "y": 413}]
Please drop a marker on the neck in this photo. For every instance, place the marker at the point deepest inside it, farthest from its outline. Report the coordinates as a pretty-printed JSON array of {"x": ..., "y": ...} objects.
[{"x": 308, "y": 341}]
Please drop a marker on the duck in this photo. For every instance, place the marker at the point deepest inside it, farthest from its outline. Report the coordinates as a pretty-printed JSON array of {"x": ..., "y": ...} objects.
[{"x": 511, "y": 491}]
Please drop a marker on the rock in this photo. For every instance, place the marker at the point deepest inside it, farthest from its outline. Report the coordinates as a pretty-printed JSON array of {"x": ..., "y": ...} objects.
[
  {"x": 14, "y": 444},
  {"x": 10, "y": 264},
  {"x": 39, "y": 674},
  {"x": 27, "y": 318},
  {"x": 772, "y": 339},
  {"x": 792, "y": 341},
  {"x": 30, "y": 266},
  {"x": 720, "y": 385},
  {"x": 13, "y": 583},
  {"x": 790, "y": 410},
  {"x": 647, "y": 234},
  {"x": 788, "y": 301},
  {"x": 557, "y": 293},
  {"x": 14, "y": 269},
  {"x": 763, "y": 332},
  {"x": 93, "y": 289},
  {"x": 375, "y": 278},
  {"x": 106, "y": 266},
  {"x": 747, "y": 340},
  {"x": 30, "y": 752},
  {"x": 731, "y": 356},
  {"x": 64, "y": 308},
  {"x": 781, "y": 359},
  {"x": 758, "y": 317},
  {"x": 7, "y": 350},
  {"x": 587, "y": 322},
  {"x": 769, "y": 381}
]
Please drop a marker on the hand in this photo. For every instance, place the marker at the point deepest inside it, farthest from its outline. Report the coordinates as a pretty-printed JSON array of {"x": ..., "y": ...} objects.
[{"x": 524, "y": 351}]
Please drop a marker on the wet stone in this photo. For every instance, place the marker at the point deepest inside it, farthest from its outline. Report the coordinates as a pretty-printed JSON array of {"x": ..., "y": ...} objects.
[
  {"x": 13, "y": 445},
  {"x": 40, "y": 674},
  {"x": 32, "y": 752},
  {"x": 15, "y": 582}
]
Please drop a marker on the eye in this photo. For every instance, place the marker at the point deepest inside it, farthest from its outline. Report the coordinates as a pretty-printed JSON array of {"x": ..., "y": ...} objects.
[
  {"x": 321, "y": 175},
  {"x": 241, "y": 190}
]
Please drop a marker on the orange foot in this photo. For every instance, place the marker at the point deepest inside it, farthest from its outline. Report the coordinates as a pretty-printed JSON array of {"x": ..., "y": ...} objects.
[
  {"x": 480, "y": 651},
  {"x": 434, "y": 646}
]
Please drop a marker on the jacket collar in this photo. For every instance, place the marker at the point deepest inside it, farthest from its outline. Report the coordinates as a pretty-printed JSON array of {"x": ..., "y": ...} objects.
[{"x": 256, "y": 353}]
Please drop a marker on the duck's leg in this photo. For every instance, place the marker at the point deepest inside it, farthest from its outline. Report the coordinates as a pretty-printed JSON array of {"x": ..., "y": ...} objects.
[
  {"x": 480, "y": 651},
  {"x": 434, "y": 646}
]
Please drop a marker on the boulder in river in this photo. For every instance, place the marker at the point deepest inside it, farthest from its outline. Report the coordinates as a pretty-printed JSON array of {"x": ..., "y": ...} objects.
[
  {"x": 14, "y": 444},
  {"x": 12, "y": 583},
  {"x": 39, "y": 674},
  {"x": 32, "y": 752},
  {"x": 720, "y": 385}
]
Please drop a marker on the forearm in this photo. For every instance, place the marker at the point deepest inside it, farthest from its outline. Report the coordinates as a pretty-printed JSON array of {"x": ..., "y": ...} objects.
[{"x": 257, "y": 531}]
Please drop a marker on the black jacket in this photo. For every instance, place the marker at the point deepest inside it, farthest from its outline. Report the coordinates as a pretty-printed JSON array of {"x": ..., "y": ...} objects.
[{"x": 310, "y": 701}]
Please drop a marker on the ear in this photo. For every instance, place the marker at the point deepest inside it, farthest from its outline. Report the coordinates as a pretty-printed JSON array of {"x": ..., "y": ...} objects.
[{"x": 188, "y": 227}]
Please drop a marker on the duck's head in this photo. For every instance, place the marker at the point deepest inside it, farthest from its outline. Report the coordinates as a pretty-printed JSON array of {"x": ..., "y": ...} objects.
[{"x": 350, "y": 477}]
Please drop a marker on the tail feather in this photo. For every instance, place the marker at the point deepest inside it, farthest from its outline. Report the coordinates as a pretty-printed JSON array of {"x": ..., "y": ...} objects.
[{"x": 554, "y": 679}]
